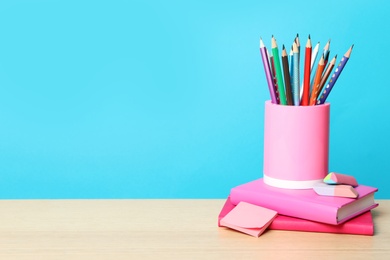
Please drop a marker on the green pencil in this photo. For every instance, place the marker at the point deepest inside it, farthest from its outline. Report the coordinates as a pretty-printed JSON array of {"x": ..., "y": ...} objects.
[{"x": 279, "y": 75}]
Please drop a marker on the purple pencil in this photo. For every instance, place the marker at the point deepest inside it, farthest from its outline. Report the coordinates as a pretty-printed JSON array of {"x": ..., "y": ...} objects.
[
  {"x": 334, "y": 77},
  {"x": 267, "y": 70}
]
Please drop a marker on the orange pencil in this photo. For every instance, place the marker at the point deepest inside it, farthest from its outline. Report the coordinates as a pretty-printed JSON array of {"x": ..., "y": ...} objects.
[
  {"x": 317, "y": 81},
  {"x": 306, "y": 75},
  {"x": 325, "y": 76}
]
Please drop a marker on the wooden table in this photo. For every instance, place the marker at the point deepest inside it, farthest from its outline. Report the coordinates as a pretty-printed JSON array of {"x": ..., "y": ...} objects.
[{"x": 164, "y": 229}]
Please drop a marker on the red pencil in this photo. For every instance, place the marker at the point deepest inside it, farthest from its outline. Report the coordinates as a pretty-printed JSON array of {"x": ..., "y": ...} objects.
[{"x": 306, "y": 76}]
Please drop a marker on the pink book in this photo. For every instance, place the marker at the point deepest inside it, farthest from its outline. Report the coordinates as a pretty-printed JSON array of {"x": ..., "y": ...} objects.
[
  {"x": 305, "y": 204},
  {"x": 359, "y": 225}
]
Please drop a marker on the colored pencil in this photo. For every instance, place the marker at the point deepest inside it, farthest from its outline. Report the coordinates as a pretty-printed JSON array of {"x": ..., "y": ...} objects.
[
  {"x": 267, "y": 70},
  {"x": 326, "y": 52},
  {"x": 313, "y": 72},
  {"x": 306, "y": 78},
  {"x": 326, "y": 75},
  {"x": 299, "y": 63},
  {"x": 298, "y": 45},
  {"x": 314, "y": 54},
  {"x": 291, "y": 73},
  {"x": 287, "y": 80},
  {"x": 291, "y": 55},
  {"x": 296, "y": 75},
  {"x": 317, "y": 80},
  {"x": 334, "y": 77},
  {"x": 272, "y": 64},
  {"x": 278, "y": 70}
]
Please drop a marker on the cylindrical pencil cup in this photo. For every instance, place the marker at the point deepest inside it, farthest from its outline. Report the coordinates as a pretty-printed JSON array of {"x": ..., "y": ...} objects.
[{"x": 296, "y": 145}]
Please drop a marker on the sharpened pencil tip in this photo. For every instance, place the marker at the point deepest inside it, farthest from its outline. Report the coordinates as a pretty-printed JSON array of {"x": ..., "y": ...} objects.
[
  {"x": 309, "y": 36},
  {"x": 261, "y": 43},
  {"x": 295, "y": 47},
  {"x": 348, "y": 53}
]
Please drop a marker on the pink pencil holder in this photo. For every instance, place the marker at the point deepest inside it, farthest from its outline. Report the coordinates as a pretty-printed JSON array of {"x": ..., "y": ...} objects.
[{"x": 296, "y": 145}]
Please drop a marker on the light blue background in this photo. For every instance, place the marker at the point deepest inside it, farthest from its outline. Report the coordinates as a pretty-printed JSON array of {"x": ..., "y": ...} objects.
[{"x": 165, "y": 99}]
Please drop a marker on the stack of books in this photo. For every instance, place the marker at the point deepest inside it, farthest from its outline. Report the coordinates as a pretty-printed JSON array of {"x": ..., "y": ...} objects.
[{"x": 305, "y": 210}]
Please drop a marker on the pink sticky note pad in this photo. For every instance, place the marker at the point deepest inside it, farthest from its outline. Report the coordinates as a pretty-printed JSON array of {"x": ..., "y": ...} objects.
[{"x": 249, "y": 219}]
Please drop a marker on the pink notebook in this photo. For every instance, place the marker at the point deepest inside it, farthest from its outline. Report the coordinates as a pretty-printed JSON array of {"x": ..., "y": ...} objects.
[
  {"x": 305, "y": 204},
  {"x": 360, "y": 225}
]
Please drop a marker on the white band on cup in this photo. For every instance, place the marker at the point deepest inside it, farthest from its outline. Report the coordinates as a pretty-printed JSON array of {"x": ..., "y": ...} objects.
[{"x": 287, "y": 184}]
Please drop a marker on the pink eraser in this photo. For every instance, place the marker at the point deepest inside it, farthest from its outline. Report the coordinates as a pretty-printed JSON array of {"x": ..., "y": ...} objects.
[
  {"x": 248, "y": 218},
  {"x": 346, "y": 191},
  {"x": 338, "y": 178}
]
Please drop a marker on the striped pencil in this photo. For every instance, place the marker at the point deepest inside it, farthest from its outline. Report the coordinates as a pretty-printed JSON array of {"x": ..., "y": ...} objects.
[
  {"x": 334, "y": 77},
  {"x": 299, "y": 47},
  {"x": 317, "y": 80},
  {"x": 296, "y": 95},
  {"x": 287, "y": 80},
  {"x": 306, "y": 78},
  {"x": 278, "y": 70},
  {"x": 272, "y": 64},
  {"x": 267, "y": 70}
]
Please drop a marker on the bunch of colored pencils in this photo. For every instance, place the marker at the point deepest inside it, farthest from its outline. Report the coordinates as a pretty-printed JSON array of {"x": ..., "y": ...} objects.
[{"x": 283, "y": 78}]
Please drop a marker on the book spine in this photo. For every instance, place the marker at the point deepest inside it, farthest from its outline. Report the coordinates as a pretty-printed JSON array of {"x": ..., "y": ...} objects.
[
  {"x": 282, "y": 223},
  {"x": 288, "y": 206}
]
